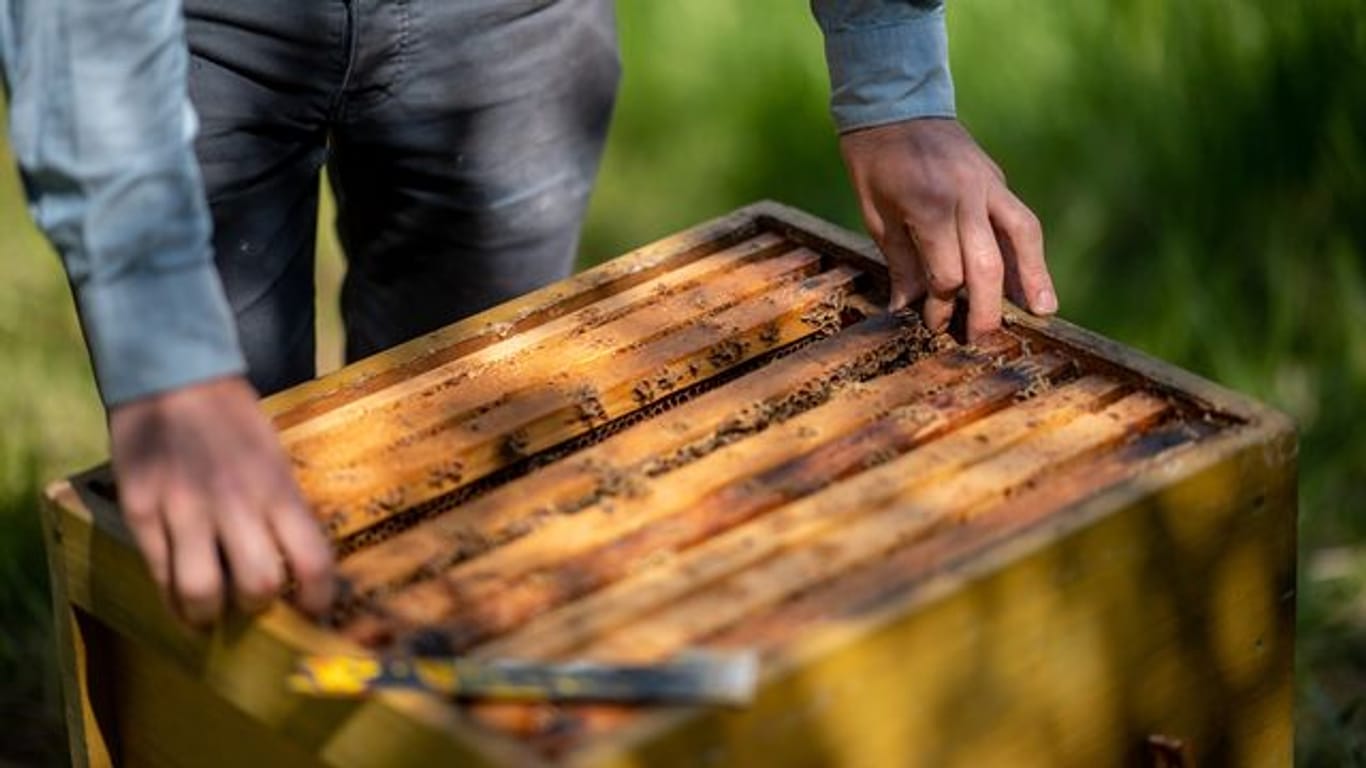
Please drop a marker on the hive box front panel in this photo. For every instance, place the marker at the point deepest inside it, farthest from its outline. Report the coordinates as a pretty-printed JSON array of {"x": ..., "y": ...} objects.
[{"x": 1042, "y": 549}]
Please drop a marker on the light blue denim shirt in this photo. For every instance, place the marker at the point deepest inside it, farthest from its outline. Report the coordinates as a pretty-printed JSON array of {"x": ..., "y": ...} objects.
[
  {"x": 101, "y": 124},
  {"x": 888, "y": 60},
  {"x": 102, "y": 128}
]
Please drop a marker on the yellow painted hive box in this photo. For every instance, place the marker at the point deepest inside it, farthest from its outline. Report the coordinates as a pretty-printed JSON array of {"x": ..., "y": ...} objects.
[{"x": 1044, "y": 549}]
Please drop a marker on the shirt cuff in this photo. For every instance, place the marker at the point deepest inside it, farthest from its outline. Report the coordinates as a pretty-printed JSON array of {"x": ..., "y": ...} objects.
[
  {"x": 890, "y": 72},
  {"x": 155, "y": 330}
]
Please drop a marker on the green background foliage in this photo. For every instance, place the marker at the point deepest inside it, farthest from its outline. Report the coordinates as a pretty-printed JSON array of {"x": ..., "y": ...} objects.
[{"x": 1200, "y": 169}]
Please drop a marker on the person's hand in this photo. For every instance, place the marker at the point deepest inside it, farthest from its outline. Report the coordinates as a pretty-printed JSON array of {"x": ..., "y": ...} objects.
[
  {"x": 940, "y": 210},
  {"x": 200, "y": 471}
]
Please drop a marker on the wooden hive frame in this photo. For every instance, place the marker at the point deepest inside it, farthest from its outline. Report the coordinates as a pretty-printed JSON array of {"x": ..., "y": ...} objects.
[{"x": 1144, "y": 591}]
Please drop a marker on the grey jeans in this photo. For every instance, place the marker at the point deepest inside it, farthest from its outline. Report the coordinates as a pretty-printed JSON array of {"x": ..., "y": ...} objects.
[{"x": 461, "y": 137}]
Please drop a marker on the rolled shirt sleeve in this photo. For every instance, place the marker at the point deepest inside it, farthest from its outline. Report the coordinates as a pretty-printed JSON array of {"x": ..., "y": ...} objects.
[
  {"x": 101, "y": 124},
  {"x": 888, "y": 60}
]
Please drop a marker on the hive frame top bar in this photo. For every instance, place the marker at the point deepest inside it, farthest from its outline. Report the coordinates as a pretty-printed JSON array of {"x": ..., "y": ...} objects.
[{"x": 103, "y": 573}]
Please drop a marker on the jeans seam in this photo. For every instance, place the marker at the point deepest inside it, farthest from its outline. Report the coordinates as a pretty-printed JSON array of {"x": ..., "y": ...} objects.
[
  {"x": 348, "y": 101},
  {"x": 351, "y": 42},
  {"x": 404, "y": 30}
]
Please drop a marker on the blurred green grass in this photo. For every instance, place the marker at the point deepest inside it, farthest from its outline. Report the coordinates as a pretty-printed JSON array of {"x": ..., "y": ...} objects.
[{"x": 1200, "y": 169}]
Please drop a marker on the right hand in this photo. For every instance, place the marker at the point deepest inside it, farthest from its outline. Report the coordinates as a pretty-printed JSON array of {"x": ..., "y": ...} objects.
[
  {"x": 941, "y": 213},
  {"x": 200, "y": 471}
]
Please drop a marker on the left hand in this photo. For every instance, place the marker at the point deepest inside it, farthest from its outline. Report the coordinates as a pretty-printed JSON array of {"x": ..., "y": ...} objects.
[
  {"x": 200, "y": 471},
  {"x": 940, "y": 210}
]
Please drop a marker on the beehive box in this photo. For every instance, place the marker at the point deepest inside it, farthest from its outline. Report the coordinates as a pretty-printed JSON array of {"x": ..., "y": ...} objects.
[{"x": 1046, "y": 549}]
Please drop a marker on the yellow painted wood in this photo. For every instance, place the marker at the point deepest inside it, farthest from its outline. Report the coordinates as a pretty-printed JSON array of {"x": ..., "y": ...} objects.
[
  {"x": 86, "y": 741},
  {"x": 163, "y": 716}
]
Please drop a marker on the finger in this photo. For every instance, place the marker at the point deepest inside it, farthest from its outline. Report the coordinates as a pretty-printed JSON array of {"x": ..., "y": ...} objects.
[
  {"x": 995, "y": 169},
  {"x": 872, "y": 218},
  {"x": 308, "y": 554},
  {"x": 903, "y": 265},
  {"x": 938, "y": 311},
  {"x": 983, "y": 268},
  {"x": 149, "y": 532},
  {"x": 252, "y": 556},
  {"x": 937, "y": 242},
  {"x": 196, "y": 575},
  {"x": 1023, "y": 244}
]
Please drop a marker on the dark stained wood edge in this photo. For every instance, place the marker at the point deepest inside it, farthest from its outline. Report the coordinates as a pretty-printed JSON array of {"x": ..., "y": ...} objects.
[
  {"x": 805, "y": 229},
  {"x": 1205, "y": 393},
  {"x": 822, "y": 235}
]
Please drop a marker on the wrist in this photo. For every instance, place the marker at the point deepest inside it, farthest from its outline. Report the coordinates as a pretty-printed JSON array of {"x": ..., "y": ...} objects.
[{"x": 213, "y": 388}]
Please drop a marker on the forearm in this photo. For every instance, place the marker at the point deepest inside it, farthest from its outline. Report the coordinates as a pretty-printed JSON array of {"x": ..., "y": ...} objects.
[
  {"x": 888, "y": 61},
  {"x": 101, "y": 126}
]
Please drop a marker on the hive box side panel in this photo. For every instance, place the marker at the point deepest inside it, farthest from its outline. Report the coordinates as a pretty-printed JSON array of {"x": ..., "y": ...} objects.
[
  {"x": 163, "y": 717},
  {"x": 85, "y": 740},
  {"x": 1071, "y": 644}
]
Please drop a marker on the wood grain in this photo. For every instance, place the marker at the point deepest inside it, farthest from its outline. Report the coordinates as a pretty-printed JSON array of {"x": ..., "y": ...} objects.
[
  {"x": 618, "y": 321},
  {"x": 577, "y": 624},
  {"x": 789, "y": 386},
  {"x": 912, "y": 514},
  {"x": 570, "y": 555},
  {"x": 533, "y": 420}
]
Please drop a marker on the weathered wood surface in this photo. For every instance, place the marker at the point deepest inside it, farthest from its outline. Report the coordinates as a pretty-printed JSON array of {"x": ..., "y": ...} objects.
[
  {"x": 830, "y": 513},
  {"x": 912, "y": 514},
  {"x": 704, "y": 284},
  {"x": 624, "y": 537},
  {"x": 708, "y": 422},
  {"x": 721, "y": 440},
  {"x": 483, "y": 435},
  {"x": 312, "y": 399}
]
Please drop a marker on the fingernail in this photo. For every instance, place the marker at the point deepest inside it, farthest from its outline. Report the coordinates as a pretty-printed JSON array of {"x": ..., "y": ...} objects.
[{"x": 1045, "y": 302}]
